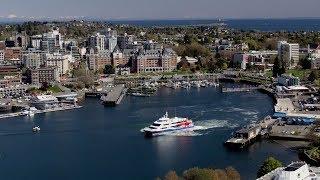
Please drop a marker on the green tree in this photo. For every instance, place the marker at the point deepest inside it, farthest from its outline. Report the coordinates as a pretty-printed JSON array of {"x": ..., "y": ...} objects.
[
  {"x": 232, "y": 173},
  {"x": 305, "y": 63},
  {"x": 314, "y": 75},
  {"x": 171, "y": 175},
  {"x": 278, "y": 68},
  {"x": 109, "y": 69},
  {"x": 190, "y": 38},
  {"x": 268, "y": 165},
  {"x": 199, "y": 174}
]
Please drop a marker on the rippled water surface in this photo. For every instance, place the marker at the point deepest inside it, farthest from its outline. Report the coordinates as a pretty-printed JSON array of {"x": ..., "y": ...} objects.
[{"x": 106, "y": 143}]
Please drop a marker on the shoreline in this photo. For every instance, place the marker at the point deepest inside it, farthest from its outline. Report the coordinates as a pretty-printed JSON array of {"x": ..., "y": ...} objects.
[{"x": 18, "y": 114}]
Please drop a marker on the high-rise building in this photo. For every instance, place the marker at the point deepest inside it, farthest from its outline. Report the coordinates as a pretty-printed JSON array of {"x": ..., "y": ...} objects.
[
  {"x": 288, "y": 54},
  {"x": 52, "y": 41},
  {"x": 97, "y": 42},
  {"x": 32, "y": 60},
  {"x": 35, "y": 41},
  {"x": 111, "y": 38}
]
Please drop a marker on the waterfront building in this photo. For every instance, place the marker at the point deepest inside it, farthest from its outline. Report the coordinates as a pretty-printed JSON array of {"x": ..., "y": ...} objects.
[
  {"x": 288, "y": 80},
  {"x": 294, "y": 171},
  {"x": 58, "y": 60},
  {"x": 262, "y": 59},
  {"x": 240, "y": 60},
  {"x": 43, "y": 75},
  {"x": 155, "y": 61},
  {"x": 97, "y": 42},
  {"x": 97, "y": 61},
  {"x": 13, "y": 90},
  {"x": 35, "y": 41},
  {"x": 44, "y": 102},
  {"x": 52, "y": 41},
  {"x": 288, "y": 53}
]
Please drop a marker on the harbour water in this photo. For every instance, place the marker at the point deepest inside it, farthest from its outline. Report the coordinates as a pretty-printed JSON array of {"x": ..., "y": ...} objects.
[{"x": 96, "y": 142}]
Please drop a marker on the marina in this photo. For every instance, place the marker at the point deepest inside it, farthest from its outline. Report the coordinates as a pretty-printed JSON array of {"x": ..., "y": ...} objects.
[
  {"x": 209, "y": 109},
  {"x": 17, "y": 114}
]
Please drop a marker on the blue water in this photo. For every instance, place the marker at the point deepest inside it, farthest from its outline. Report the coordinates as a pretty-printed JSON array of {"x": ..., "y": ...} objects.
[
  {"x": 241, "y": 24},
  {"x": 96, "y": 142}
]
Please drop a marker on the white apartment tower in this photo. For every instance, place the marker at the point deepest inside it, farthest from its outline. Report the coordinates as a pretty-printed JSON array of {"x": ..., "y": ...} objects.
[
  {"x": 97, "y": 42},
  {"x": 288, "y": 53}
]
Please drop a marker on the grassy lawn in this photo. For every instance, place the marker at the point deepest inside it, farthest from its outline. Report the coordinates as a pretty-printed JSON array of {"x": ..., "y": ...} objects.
[
  {"x": 54, "y": 89},
  {"x": 301, "y": 73}
]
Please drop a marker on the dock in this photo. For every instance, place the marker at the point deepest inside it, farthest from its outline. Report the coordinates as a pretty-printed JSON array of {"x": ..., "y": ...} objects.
[
  {"x": 249, "y": 134},
  {"x": 115, "y": 96},
  {"x": 238, "y": 89},
  {"x": 17, "y": 114}
]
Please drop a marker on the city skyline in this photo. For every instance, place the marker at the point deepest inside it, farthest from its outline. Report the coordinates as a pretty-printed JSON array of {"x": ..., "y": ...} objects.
[{"x": 151, "y": 9}]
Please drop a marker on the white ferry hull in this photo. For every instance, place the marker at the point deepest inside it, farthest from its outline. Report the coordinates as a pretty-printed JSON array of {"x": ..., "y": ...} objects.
[{"x": 148, "y": 133}]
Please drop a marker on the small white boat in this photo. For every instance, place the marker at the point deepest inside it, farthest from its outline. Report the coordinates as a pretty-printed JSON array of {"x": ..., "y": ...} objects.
[
  {"x": 36, "y": 129},
  {"x": 140, "y": 95}
]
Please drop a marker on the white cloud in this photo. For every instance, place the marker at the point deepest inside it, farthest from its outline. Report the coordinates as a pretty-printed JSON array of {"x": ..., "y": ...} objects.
[{"x": 12, "y": 16}]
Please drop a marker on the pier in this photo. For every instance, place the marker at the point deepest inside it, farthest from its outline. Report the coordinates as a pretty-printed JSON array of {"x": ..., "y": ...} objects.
[
  {"x": 248, "y": 135},
  {"x": 238, "y": 89},
  {"x": 115, "y": 96}
]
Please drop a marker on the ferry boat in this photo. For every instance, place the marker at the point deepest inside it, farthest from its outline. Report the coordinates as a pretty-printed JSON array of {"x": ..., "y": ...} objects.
[{"x": 166, "y": 124}]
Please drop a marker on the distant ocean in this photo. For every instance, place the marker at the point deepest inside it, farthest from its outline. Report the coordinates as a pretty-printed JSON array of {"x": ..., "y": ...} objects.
[
  {"x": 241, "y": 24},
  {"x": 298, "y": 24}
]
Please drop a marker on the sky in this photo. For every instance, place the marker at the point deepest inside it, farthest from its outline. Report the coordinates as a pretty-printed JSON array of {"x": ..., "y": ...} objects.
[{"x": 160, "y": 9}]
